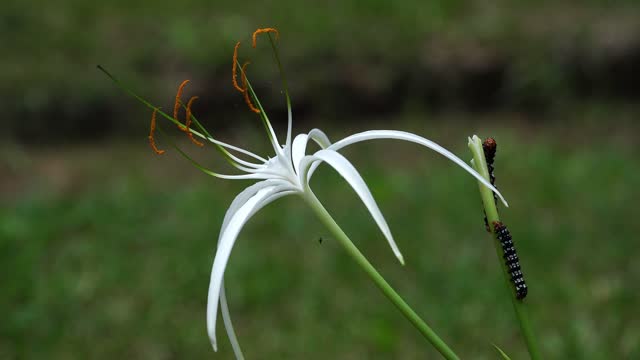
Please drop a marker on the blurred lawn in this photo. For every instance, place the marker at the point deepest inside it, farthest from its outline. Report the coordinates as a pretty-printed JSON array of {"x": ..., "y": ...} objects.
[
  {"x": 396, "y": 50},
  {"x": 105, "y": 253}
]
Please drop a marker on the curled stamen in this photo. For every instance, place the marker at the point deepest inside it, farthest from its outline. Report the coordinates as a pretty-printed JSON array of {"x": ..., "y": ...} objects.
[
  {"x": 187, "y": 123},
  {"x": 262, "y": 31},
  {"x": 152, "y": 141},
  {"x": 234, "y": 68},
  {"x": 177, "y": 104},
  {"x": 247, "y": 99}
]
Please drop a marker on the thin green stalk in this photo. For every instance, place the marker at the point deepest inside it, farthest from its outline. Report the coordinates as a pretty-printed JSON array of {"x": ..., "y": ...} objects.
[
  {"x": 520, "y": 306},
  {"x": 388, "y": 291}
]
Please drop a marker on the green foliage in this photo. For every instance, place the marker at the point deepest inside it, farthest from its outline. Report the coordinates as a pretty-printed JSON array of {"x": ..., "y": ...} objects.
[
  {"x": 502, "y": 353},
  {"x": 48, "y": 71},
  {"x": 109, "y": 257}
]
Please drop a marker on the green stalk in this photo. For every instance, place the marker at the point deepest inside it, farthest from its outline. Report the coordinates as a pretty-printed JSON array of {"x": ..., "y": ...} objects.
[
  {"x": 520, "y": 306},
  {"x": 382, "y": 284}
]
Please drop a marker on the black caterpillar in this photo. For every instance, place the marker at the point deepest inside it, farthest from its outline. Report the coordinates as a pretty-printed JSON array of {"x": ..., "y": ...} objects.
[
  {"x": 511, "y": 259},
  {"x": 489, "y": 146}
]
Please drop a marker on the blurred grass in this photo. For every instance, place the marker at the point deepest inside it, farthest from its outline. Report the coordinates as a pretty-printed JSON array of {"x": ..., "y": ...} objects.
[
  {"x": 105, "y": 253},
  {"x": 144, "y": 36},
  {"x": 49, "y": 70}
]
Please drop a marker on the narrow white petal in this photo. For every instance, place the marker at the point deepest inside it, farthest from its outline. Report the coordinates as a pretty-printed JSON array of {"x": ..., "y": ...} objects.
[
  {"x": 242, "y": 198},
  {"x": 237, "y": 203},
  {"x": 351, "y": 175},
  {"x": 289, "y": 128},
  {"x": 235, "y": 148},
  {"x": 228, "y": 236},
  {"x": 242, "y": 162},
  {"x": 226, "y": 318},
  {"x": 229, "y": 146},
  {"x": 320, "y": 138},
  {"x": 298, "y": 150},
  {"x": 260, "y": 175},
  {"x": 276, "y": 194},
  {"x": 300, "y": 142},
  {"x": 402, "y": 135},
  {"x": 248, "y": 169},
  {"x": 272, "y": 135}
]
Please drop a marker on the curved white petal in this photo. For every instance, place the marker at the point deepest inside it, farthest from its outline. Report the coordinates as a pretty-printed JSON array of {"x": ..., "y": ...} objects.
[
  {"x": 351, "y": 175},
  {"x": 403, "y": 135},
  {"x": 229, "y": 146},
  {"x": 226, "y": 318},
  {"x": 239, "y": 200},
  {"x": 241, "y": 162},
  {"x": 320, "y": 138},
  {"x": 272, "y": 134},
  {"x": 235, "y": 223},
  {"x": 247, "y": 169},
  {"x": 242, "y": 198},
  {"x": 289, "y": 129},
  {"x": 299, "y": 147},
  {"x": 235, "y": 148},
  {"x": 298, "y": 150},
  {"x": 260, "y": 175}
]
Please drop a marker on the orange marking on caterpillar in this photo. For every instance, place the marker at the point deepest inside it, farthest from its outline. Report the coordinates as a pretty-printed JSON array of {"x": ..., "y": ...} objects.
[
  {"x": 176, "y": 105},
  {"x": 188, "y": 123},
  {"x": 152, "y": 141},
  {"x": 247, "y": 99},
  {"x": 262, "y": 31},
  {"x": 234, "y": 68}
]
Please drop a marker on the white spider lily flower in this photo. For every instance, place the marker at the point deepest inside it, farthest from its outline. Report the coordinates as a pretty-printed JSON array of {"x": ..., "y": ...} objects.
[
  {"x": 288, "y": 172},
  {"x": 284, "y": 175}
]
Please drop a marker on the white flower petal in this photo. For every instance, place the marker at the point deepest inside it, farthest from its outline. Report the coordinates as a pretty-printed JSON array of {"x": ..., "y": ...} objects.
[
  {"x": 251, "y": 176},
  {"x": 245, "y": 195},
  {"x": 289, "y": 128},
  {"x": 351, "y": 175},
  {"x": 243, "y": 151},
  {"x": 226, "y": 318},
  {"x": 320, "y": 138},
  {"x": 272, "y": 134},
  {"x": 300, "y": 142},
  {"x": 228, "y": 236},
  {"x": 402, "y": 135},
  {"x": 237, "y": 203},
  {"x": 298, "y": 150},
  {"x": 239, "y": 200}
]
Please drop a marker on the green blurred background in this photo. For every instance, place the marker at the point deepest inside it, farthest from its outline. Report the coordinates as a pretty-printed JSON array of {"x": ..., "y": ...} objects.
[{"x": 105, "y": 248}]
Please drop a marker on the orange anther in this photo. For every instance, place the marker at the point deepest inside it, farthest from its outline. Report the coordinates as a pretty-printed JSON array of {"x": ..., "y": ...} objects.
[
  {"x": 247, "y": 99},
  {"x": 177, "y": 104},
  {"x": 234, "y": 68},
  {"x": 188, "y": 123},
  {"x": 262, "y": 31},
  {"x": 152, "y": 141}
]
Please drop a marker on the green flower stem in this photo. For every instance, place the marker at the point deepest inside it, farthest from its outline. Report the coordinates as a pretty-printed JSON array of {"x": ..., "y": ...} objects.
[
  {"x": 388, "y": 291},
  {"x": 480, "y": 165}
]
